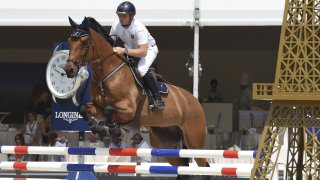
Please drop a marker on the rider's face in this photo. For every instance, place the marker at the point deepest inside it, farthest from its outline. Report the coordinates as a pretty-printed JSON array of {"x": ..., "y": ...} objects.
[{"x": 124, "y": 19}]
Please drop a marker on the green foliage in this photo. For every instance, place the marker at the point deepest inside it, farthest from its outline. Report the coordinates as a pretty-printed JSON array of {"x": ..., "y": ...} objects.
[
  {"x": 244, "y": 131},
  {"x": 211, "y": 128}
]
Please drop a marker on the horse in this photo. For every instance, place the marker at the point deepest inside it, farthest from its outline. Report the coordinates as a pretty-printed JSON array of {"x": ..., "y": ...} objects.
[{"x": 182, "y": 120}]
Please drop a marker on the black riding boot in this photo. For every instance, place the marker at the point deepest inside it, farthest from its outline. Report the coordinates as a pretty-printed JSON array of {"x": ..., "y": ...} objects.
[{"x": 152, "y": 85}]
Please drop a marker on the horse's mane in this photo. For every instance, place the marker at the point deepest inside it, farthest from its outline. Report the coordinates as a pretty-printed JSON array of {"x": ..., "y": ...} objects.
[{"x": 94, "y": 24}]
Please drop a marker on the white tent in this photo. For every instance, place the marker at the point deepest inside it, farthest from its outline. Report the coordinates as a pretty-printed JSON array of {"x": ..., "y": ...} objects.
[{"x": 150, "y": 12}]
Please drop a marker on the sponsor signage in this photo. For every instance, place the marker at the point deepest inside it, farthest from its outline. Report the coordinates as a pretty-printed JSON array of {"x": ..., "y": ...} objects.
[{"x": 65, "y": 117}]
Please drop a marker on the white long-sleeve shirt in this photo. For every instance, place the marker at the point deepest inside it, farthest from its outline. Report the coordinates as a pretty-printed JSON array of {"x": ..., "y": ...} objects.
[{"x": 133, "y": 36}]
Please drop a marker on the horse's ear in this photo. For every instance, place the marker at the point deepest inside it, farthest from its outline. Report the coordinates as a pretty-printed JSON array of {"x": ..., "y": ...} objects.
[
  {"x": 73, "y": 24},
  {"x": 86, "y": 24},
  {"x": 85, "y": 21}
]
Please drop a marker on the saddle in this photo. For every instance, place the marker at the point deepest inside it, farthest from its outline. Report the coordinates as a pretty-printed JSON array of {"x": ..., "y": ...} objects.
[
  {"x": 161, "y": 82},
  {"x": 133, "y": 65}
]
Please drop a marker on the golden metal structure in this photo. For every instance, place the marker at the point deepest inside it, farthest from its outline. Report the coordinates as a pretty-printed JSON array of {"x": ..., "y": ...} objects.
[{"x": 295, "y": 97}]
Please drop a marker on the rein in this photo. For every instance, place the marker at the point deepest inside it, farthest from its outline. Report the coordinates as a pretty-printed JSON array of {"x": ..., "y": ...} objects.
[
  {"x": 106, "y": 77},
  {"x": 84, "y": 60},
  {"x": 101, "y": 62},
  {"x": 102, "y": 59}
]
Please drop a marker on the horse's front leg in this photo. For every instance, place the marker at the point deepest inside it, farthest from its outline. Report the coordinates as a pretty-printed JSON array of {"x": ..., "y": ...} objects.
[
  {"x": 95, "y": 118},
  {"x": 100, "y": 121},
  {"x": 114, "y": 129},
  {"x": 120, "y": 112}
]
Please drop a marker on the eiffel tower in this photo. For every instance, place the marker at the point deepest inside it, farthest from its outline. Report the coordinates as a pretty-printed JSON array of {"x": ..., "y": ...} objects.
[{"x": 295, "y": 97}]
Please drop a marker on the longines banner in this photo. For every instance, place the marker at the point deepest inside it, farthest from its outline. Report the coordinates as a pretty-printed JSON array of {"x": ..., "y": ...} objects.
[{"x": 65, "y": 115}]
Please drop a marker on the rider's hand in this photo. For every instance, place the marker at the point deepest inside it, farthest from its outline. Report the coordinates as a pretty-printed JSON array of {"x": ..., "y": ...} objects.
[{"x": 119, "y": 50}]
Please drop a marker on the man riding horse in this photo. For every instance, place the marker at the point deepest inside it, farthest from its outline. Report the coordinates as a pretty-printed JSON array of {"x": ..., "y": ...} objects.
[
  {"x": 118, "y": 99},
  {"x": 138, "y": 43}
]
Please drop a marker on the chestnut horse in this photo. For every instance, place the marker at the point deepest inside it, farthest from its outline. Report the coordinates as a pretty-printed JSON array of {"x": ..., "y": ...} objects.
[{"x": 182, "y": 120}]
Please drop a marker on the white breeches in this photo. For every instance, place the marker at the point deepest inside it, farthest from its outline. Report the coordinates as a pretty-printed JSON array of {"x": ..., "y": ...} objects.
[{"x": 145, "y": 62}]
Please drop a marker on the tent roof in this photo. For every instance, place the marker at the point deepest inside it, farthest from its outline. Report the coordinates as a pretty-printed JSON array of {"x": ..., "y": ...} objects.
[{"x": 150, "y": 12}]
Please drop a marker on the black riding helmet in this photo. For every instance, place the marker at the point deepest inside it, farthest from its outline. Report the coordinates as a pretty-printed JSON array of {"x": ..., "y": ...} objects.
[{"x": 126, "y": 7}]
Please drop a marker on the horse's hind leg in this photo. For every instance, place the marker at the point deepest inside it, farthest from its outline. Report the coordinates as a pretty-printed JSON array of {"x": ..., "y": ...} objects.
[
  {"x": 161, "y": 138},
  {"x": 168, "y": 138},
  {"x": 196, "y": 139}
]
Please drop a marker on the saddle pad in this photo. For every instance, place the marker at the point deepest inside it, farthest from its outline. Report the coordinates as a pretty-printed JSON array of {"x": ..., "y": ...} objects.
[{"x": 162, "y": 87}]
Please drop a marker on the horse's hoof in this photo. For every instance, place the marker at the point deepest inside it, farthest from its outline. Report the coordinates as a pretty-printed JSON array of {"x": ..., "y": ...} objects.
[
  {"x": 102, "y": 131},
  {"x": 116, "y": 132}
]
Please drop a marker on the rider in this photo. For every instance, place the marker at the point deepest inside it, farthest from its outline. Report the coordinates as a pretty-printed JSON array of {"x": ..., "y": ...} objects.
[{"x": 138, "y": 43}]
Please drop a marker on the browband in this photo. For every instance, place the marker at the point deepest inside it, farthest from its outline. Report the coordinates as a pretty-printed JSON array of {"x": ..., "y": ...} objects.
[{"x": 79, "y": 33}]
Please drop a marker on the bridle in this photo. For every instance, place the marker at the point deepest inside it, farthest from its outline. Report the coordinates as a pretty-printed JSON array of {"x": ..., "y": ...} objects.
[{"x": 77, "y": 34}]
